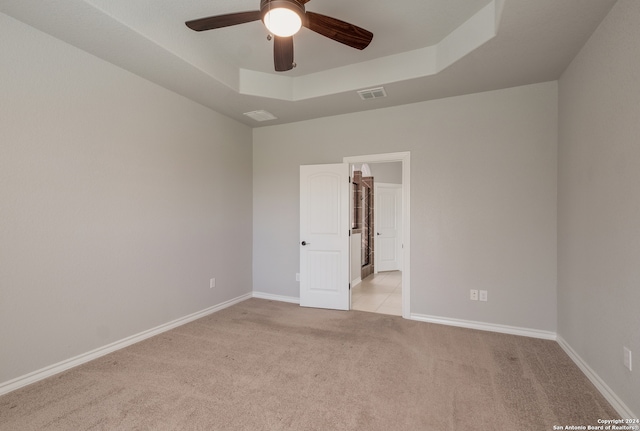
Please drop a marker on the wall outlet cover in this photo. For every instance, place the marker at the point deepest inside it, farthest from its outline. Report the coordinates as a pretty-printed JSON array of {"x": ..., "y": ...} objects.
[
  {"x": 483, "y": 295},
  {"x": 473, "y": 294}
]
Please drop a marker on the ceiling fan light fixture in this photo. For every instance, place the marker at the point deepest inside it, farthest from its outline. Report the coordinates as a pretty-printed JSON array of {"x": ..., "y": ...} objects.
[
  {"x": 282, "y": 17},
  {"x": 282, "y": 22},
  {"x": 293, "y": 14}
]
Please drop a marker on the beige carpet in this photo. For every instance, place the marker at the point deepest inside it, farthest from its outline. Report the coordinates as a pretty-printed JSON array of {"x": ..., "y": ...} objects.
[{"x": 263, "y": 365}]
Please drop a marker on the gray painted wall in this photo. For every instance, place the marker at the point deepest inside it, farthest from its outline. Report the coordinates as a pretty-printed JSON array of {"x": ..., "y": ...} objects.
[
  {"x": 390, "y": 172},
  {"x": 483, "y": 199},
  {"x": 118, "y": 201},
  {"x": 599, "y": 201}
]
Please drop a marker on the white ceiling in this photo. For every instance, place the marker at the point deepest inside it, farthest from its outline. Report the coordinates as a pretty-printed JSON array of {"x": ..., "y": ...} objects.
[{"x": 421, "y": 50}]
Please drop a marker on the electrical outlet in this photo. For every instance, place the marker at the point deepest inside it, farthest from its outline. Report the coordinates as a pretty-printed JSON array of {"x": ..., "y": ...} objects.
[
  {"x": 627, "y": 358},
  {"x": 212, "y": 283},
  {"x": 473, "y": 294},
  {"x": 483, "y": 295}
]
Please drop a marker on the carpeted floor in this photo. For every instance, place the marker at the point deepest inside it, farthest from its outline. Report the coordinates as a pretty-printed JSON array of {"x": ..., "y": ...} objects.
[{"x": 264, "y": 365}]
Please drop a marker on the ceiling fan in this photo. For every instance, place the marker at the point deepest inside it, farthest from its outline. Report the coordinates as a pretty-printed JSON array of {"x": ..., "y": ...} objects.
[{"x": 291, "y": 15}]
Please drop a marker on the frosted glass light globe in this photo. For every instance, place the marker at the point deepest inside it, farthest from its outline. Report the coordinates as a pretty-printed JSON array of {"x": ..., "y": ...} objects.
[{"x": 282, "y": 22}]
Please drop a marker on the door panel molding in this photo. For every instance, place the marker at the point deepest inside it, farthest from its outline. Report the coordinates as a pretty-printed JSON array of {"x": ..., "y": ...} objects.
[
  {"x": 388, "y": 226},
  {"x": 324, "y": 236}
]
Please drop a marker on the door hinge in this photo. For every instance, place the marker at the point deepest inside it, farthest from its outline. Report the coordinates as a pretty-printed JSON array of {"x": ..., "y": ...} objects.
[{"x": 349, "y": 286}]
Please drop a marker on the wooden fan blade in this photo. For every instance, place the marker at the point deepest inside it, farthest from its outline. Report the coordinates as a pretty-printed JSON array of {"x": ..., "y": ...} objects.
[
  {"x": 283, "y": 53},
  {"x": 220, "y": 21},
  {"x": 303, "y": 2},
  {"x": 337, "y": 30}
]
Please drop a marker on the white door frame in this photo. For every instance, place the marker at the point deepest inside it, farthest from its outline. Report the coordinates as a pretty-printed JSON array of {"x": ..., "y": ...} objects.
[{"x": 405, "y": 158}]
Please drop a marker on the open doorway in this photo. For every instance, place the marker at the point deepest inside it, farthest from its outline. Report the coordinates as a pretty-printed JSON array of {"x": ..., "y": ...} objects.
[{"x": 380, "y": 233}]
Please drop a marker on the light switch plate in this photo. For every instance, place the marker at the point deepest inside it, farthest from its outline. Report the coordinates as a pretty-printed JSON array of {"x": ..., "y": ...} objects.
[{"x": 627, "y": 358}]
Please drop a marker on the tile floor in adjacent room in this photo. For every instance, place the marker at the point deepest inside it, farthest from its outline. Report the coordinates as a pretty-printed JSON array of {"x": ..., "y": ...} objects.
[{"x": 379, "y": 293}]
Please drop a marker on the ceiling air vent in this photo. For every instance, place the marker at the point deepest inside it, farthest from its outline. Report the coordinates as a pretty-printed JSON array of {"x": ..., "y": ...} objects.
[
  {"x": 372, "y": 93},
  {"x": 261, "y": 115}
]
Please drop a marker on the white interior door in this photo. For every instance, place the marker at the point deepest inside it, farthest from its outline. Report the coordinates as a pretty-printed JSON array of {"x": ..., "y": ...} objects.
[
  {"x": 388, "y": 218},
  {"x": 324, "y": 236}
]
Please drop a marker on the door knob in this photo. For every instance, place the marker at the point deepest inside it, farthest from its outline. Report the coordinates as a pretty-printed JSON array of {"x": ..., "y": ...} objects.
[{"x": 305, "y": 243}]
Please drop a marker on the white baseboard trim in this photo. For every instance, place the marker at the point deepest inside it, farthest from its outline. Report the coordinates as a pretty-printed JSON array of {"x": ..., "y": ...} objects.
[
  {"x": 51, "y": 370},
  {"x": 54, "y": 369},
  {"x": 482, "y": 326},
  {"x": 269, "y": 296},
  {"x": 605, "y": 390},
  {"x": 356, "y": 281}
]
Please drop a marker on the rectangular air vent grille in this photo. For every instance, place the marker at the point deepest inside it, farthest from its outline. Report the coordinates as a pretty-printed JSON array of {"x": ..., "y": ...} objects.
[
  {"x": 372, "y": 93},
  {"x": 261, "y": 115}
]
